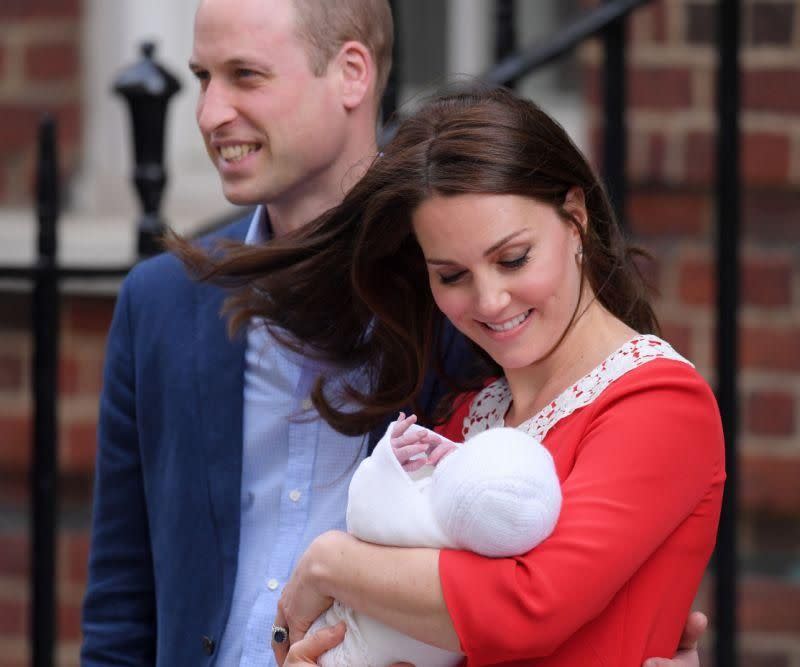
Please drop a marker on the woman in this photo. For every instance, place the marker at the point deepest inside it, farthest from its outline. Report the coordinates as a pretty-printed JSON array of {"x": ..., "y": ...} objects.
[{"x": 483, "y": 212}]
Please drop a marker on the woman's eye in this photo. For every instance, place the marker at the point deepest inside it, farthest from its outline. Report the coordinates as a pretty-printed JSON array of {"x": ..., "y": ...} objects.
[
  {"x": 517, "y": 262},
  {"x": 450, "y": 278}
]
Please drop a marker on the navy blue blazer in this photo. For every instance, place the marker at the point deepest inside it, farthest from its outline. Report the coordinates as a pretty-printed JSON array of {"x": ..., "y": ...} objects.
[{"x": 165, "y": 527}]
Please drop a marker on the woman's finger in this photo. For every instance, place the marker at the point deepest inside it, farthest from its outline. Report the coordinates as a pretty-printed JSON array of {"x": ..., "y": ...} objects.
[
  {"x": 311, "y": 647},
  {"x": 280, "y": 650}
]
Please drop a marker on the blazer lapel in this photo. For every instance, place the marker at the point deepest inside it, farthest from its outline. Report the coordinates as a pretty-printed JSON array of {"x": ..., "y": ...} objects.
[{"x": 220, "y": 383}]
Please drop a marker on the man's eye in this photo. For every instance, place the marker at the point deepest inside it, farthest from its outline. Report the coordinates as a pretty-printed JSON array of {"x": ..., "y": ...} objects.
[
  {"x": 451, "y": 278},
  {"x": 244, "y": 73}
]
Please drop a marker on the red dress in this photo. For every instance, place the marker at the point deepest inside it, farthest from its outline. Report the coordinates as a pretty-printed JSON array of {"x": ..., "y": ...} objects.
[{"x": 640, "y": 455}]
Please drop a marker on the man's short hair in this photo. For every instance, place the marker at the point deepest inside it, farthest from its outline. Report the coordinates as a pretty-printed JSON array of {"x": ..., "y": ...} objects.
[{"x": 327, "y": 24}]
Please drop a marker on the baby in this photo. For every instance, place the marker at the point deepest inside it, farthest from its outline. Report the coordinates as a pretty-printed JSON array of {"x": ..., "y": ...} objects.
[{"x": 496, "y": 495}]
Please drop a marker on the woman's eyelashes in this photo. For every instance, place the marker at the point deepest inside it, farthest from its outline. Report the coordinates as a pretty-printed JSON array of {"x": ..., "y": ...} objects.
[
  {"x": 510, "y": 264},
  {"x": 516, "y": 262}
]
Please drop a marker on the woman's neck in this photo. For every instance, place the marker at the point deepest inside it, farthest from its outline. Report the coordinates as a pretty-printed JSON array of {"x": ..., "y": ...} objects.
[{"x": 593, "y": 336}]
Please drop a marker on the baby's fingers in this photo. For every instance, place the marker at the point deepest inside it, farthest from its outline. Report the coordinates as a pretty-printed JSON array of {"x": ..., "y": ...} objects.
[
  {"x": 404, "y": 454},
  {"x": 440, "y": 451},
  {"x": 402, "y": 424}
]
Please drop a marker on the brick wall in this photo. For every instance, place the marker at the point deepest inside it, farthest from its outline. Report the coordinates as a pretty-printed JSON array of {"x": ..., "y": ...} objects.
[
  {"x": 671, "y": 127},
  {"x": 84, "y": 323},
  {"x": 39, "y": 71}
]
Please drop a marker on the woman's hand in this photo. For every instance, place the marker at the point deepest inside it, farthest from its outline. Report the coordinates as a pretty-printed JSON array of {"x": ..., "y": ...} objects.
[
  {"x": 308, "y": 649},
  {"x": 301, "y": 602},
  {"x": 687, "y": 655}
]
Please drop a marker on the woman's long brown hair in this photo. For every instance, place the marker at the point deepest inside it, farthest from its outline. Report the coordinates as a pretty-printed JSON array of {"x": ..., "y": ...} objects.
[{"x": 351, "y": 287}]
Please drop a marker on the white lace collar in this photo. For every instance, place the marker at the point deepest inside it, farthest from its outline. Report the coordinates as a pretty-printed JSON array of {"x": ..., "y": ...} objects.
[{"x": 491, "y": 404}]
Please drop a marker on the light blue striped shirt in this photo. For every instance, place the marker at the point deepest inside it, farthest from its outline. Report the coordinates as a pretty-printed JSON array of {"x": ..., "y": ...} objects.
[{"x": 295, "y": 474}]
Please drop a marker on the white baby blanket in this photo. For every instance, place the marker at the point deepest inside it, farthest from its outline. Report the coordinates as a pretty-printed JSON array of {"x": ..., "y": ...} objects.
[{"x": 497, "y": 495}]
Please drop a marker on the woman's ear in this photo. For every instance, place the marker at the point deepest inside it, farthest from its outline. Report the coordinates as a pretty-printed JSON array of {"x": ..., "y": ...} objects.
[
  {"x": 357, "y": 73},
  {"x": 575, "y": 206}
]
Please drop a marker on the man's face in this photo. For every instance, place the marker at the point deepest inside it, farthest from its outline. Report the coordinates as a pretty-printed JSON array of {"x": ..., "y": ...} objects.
[{"x": 272, "y": 129}]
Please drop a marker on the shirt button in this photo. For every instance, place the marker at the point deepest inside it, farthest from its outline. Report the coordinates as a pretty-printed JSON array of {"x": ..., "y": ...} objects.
[
  {"x": 208, "y": 645},
  {"x": 294, "y": 495},
  {"x": 272, "y": 584},
  {"x": 307, "y": 404}
]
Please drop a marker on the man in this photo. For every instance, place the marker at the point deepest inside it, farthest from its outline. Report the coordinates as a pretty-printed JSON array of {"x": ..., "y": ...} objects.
[{"x": 211, "y": 478}]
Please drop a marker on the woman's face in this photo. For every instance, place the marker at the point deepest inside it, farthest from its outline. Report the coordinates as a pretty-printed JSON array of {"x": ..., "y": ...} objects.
[{"x": 503, "y": 270}]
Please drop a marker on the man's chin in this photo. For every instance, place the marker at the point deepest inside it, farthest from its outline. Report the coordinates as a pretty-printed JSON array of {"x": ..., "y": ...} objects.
[{"x": 242, "y": 197}]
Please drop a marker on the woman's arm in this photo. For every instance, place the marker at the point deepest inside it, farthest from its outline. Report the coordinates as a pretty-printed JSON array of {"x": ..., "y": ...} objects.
[{"x": 397, "y": 586}]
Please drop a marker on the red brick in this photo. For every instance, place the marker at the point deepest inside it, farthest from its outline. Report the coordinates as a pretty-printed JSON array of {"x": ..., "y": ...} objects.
[
  {"x": 89, "y": 315},
  {"x": 696, "y": 282},
  {"x": 699, "y": 158},
  {"x": 13, "y": 618},
  {"x": 52, "y": 62},
  {"x": 771, "y": 90},
  {"x": 771, "y": 349},
  {"x": 69, "y": 621},
  {"x": 69, "y": 371},
  {"x": 767, "y": 282},
  {"x": 764, "y": 658},
  {"x": 40, "y": 8},
  {"x": 659, "y": 11},
  {"x": 15, "y": 452},
  {"x": 772, "y": 214},
  {"x": 771, "y": 23},
  {"x": 765, "y": 158},
  {"x": 769, "y": 605},
  {"x": 77, "y": 548},
  {"x": 769, "y": 484},
  {"x": 771, "y": 413},
  {"x": 15, "y": 310},
  {"x": 660, "y": 88},
  {"x": 14, "y": 556},
  {"x": 3, "y": 58},
  {"x": 20, "y": 123},
  {"x": 701, "y": 25},
  {"x": 11, "y": 373},
  {"x": 679, "y": 336},
  {"x": 80, "y": 445},
  {"x": 656, "y": 157},
  {"x": 669, "y": 213}
]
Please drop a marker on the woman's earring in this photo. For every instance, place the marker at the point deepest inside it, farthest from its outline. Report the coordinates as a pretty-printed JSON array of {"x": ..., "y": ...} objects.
[{"x": 579, "y": 255}]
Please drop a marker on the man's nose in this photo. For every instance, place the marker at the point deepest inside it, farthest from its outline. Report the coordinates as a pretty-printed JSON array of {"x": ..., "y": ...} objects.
[{"x": 215, "y": 107}]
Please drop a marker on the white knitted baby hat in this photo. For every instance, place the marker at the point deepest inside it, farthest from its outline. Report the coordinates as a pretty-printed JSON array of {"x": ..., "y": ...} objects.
[{"x": 498, "y": 495}]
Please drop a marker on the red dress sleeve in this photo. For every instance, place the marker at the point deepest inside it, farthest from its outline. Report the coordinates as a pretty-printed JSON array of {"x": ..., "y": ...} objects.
[{"x": 642, "y": 469}]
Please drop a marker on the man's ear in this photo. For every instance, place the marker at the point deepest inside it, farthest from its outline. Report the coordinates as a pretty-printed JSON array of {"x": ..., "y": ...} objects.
[
  {"x": 357, "y": 72},
  {"x": 575, "y": 205}
]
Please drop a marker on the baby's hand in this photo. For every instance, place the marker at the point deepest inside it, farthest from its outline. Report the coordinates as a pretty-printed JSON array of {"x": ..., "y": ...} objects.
[{"x": 414, "y": 446}]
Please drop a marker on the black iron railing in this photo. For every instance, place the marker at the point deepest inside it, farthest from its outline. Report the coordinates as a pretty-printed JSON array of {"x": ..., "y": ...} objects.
[{"x": 608, "y": 22}]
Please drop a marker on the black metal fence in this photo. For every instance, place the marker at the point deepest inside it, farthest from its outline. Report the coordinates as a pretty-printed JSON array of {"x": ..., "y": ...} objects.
[{"x": 148, "y": 88}]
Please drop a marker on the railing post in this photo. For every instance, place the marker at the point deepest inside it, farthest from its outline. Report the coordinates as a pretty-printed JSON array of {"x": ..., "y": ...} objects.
[
  {"x": 391, "y": 94},
  {"x": 148, "y": 87},
  {"x": 505, "y": 37},
  {"x": 615, "y": 143},
  {"x": 44, "y": 468},
  {"x": 728, "y": 207}
]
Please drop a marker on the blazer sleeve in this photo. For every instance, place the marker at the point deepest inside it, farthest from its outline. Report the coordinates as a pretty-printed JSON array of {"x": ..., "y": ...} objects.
[
  {"x": 650, "y": 456},
  {"x": 119, "y": 606}
]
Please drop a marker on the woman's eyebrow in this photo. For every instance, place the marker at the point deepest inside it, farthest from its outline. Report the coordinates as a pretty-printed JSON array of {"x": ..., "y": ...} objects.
[{"x": 488, "y": 251}]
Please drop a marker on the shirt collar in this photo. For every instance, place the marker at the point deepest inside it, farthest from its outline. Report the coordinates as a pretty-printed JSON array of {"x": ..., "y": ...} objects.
[{"x": 260, "y": 229}]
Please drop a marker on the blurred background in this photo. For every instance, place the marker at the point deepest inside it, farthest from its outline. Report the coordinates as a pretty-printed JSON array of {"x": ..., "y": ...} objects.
[{"x": 62, "y": 57}]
